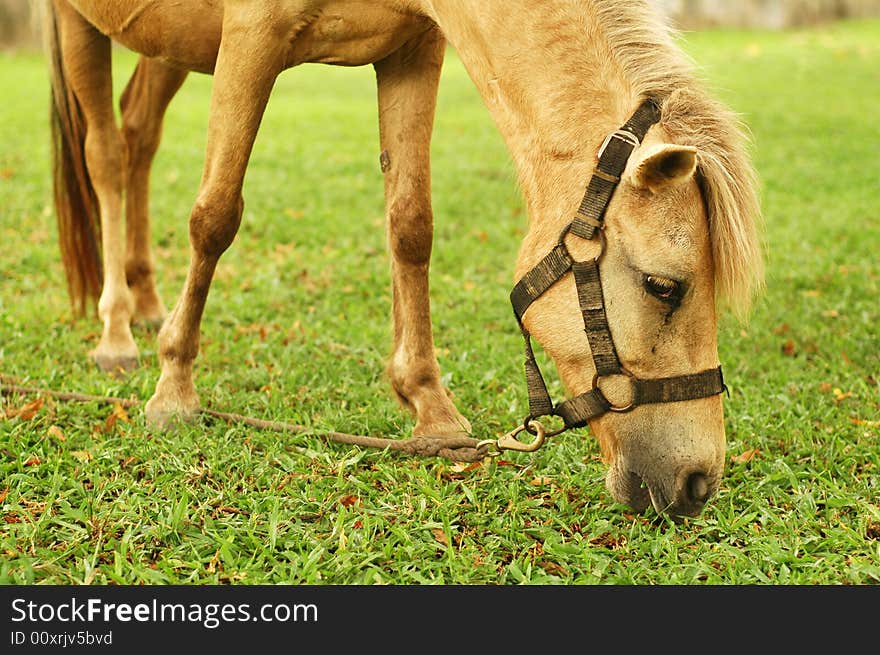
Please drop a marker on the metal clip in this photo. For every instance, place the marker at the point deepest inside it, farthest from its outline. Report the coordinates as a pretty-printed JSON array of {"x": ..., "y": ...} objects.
[{"x": 510, "y": 442}]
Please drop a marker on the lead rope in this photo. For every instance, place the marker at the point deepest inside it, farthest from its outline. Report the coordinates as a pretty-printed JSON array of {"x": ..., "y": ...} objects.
[{"x": 457, "y": 449}]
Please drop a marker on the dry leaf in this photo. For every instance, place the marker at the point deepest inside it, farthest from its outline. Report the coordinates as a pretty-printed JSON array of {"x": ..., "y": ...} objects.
[
  {"x": 120, "y": 413},
  {"x": 110, "y": 422},
  {"x": 788, "y": 349},
  {"x": 541, "y": 481},
  {"x": 33, "y": 461},
  {"x": 3, "y": 494},
  {"x": 348, "y": 501},
  {"x": 440, "y": 536},
  {"x": 553, "y": 568},
  {"x": 840, "y": 395},
  {"x": 30, "y": 410},
  {"x": 745, "y": 456},
  {"x": 861, "y": 421},
  {"x": 55, "y": 431},
  {"x": 82, "y": 455},
  {"x": 825, "y": 387}
]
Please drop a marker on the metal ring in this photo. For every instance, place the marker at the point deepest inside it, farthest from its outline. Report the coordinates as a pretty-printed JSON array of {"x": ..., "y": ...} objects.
[
  {"x": 602, "y": 243},
  {"x": 526, "y": 425},
  {"x": 622, "y": 409}
]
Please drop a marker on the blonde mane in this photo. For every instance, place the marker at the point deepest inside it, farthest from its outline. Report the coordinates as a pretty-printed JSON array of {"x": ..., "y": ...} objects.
[{"x": 643, "y": 45}]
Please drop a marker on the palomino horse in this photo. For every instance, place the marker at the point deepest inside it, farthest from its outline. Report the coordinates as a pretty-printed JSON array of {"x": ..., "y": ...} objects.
[{"x": 668, "y": 218}]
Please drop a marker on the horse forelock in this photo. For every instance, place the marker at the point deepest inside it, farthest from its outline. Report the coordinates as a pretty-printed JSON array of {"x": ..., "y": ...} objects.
[{"x": 644, "y": 46}]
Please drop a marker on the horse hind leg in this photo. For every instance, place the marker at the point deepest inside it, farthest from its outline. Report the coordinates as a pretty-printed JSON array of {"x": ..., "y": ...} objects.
[
  {"x": 407, "y": 88},
  {"x": 143, "y": 104},
  {"x": 86, "y": 54}
]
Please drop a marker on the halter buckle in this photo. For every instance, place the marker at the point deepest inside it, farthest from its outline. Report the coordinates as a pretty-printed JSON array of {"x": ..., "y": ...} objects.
[{"x": 624, "y": 135}]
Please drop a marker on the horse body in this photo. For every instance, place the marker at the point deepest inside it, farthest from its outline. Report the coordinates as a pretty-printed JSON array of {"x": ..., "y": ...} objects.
[
  {"x": 187, "y": 35},
  {"x": 557, "y": 78}
]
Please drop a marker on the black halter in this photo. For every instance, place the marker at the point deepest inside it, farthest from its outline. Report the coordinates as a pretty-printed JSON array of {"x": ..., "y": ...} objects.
[{"x": 589, "y": 222}]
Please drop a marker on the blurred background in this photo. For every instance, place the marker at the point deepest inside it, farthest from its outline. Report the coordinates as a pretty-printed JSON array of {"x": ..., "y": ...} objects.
[{"x": 17, "y": 29}]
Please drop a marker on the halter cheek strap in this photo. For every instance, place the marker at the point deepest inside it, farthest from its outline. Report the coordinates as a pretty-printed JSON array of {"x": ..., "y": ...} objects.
[{"x": 587, "y": 224}]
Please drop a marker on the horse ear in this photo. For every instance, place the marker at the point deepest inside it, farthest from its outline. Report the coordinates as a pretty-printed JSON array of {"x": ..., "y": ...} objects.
[{"x": 663, "y": 166}]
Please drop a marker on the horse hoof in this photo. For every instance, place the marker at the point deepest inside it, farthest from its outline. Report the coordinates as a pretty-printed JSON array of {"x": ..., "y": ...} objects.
[
  {"x": 444, "y": 430},
  {"x": 152, "y": 323},
  {"x": 116, "y": 364},
  {"x": 164, "y": 415}
]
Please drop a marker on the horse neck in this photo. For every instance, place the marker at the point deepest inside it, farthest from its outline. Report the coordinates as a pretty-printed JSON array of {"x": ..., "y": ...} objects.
[{"x": 549, "y": 78}]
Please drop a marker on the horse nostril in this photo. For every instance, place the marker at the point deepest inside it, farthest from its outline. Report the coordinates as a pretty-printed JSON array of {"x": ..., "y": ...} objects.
[{"x": 698, "y": 487}]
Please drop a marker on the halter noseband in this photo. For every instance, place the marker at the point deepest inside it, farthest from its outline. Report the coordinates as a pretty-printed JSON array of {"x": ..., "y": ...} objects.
[{"x": 587, "y": 224}]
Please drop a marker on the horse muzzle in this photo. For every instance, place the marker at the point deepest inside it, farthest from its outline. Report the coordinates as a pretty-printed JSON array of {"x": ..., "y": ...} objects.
[{"x": 683, "y": 493}]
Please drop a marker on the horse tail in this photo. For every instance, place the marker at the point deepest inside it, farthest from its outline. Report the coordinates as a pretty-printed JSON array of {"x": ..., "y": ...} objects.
[{"x": 76, "y": 205}]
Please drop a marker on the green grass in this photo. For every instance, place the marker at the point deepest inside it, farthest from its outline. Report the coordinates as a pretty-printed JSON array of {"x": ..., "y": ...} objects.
[{"x": 297, "y": 329}]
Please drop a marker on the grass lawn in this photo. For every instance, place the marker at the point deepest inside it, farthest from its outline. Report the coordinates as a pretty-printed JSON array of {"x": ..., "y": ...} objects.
[{"x": 297, "y": 329}]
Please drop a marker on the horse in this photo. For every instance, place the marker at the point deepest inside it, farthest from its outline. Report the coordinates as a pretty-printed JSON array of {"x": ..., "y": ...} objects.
[{"x": 642, "y": 201}]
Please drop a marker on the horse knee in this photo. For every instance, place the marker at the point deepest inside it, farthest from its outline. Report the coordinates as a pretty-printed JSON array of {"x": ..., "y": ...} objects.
[
  {"x": 410, "y": 231},
  {"x": 214, "y": 223}
]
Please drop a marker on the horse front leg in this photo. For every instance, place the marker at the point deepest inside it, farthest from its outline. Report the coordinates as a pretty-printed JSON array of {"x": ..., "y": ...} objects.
[
  {"x": 143, "y": 105},
  {"x": 407, "y": 90},
  {"x": 249, "y": 60}
]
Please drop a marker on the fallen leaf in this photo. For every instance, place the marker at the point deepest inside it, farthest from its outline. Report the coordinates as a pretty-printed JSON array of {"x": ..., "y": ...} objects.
[
  {"x": 82, "y": 455},
  {"x": 608, "y": 540},
  {"x": 3, "y": 494},
  {"x": 463, "y": 467},
  {"x": 33, "y": 461},
  {"x": 120, "y": 413},
  {"x": 553, "y": 569},
  {"x": 110, "y": 422},
  {"x": 348, "y": 501},
  {"x": 853, "y": 420},
  {"x": 788, "y": 349},
  {"x": 840, "y": 396},
  {"x": 541, "y": 481},
  {"x": 825, "y": 387},
  {"x": 440, "y": 536},
  {"x": 745, "y": 456},
  {"x": 782, "y": 329},
  {"x": 55, "y": 431},
  {"x": 27, "y": 412},
  {"x": 831, "y": 313},
  {"x": 212, "y": 565}
]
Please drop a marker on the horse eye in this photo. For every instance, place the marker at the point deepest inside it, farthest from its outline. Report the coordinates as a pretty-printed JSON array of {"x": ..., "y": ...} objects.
[{"x": 663, "y": 288}]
